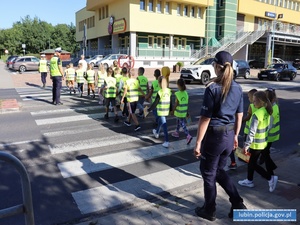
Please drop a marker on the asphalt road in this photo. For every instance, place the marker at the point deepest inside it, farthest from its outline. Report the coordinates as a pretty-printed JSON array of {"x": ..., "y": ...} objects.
[{"x": 70, "y": 151}]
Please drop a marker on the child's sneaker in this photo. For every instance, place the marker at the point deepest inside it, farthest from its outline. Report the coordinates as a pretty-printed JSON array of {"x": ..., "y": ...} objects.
[
  {"x": 175, "y": 134},
  {"x": 273, "y": 183},
  {"x": 246, "y": 183},
  {"x": 165, "y": 144},
  {"x": 156, "y": 135},
  {"x": 189, "y": 139},
  {"x": 137, "y": 128},
  {"x": 127, "y": 123},
  {"x": 232, "y": 166},
  {"x": 106, "y": 116}
]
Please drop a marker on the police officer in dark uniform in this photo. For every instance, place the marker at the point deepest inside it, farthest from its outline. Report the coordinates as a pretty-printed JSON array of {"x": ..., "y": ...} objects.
[
  {"x": 218, "y": 129},
  {"x": 56, "y": 74}
]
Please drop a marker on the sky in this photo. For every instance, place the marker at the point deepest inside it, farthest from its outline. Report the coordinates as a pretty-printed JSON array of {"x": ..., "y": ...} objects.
[{"x": 54, "y": 11}]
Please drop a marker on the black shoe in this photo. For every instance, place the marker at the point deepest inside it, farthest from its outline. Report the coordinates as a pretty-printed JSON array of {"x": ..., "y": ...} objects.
[
  {"x": 53, "y": 102},
  {"x": 116, "y": 119},
  {"x": 137, "y": 128},
  {"x": 201, "y": 212},
  {"x": 60, "y": 103},
  {"x": 94, "y": 96},
  {"x": 239, "y": 206},
  {"x": 106, "y": 116}
]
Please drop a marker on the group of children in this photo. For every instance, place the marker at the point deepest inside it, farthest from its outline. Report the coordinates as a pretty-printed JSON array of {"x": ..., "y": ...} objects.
[
  {"x": 262, "y": 128},
  {"x": 119, "y": 86}
]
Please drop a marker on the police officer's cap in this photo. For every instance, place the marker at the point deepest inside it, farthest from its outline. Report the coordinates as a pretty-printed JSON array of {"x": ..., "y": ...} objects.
[
  {"x": 223, "y": 57},
  {"x": 43, "y": 55},
  {"x": 58, "y": 49}
]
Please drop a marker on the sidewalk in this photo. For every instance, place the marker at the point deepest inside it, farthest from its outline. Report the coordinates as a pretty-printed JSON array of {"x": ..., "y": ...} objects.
[{"x": 178, "y": 206}]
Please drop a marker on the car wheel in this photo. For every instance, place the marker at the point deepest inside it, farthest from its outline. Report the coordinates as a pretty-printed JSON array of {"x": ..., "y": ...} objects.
[
  {"x": 205, "y": 78},
  {"x": 277, "y": 77},
  {"x": 259, "y": 77},
  {"x": 293, "y": 76},
  {"x": 22, "y": 69},
  {"x": 247, "y": 75}
]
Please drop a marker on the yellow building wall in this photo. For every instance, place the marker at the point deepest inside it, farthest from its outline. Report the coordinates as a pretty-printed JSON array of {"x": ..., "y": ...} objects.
[{"x": 257, "y": 9}]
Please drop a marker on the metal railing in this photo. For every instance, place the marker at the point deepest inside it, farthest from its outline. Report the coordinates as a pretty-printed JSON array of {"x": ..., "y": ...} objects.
[{"x": 26, "y": 207}]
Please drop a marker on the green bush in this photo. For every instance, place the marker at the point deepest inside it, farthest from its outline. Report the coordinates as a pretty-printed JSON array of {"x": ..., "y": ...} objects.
[{"x": 180, "y": 64}]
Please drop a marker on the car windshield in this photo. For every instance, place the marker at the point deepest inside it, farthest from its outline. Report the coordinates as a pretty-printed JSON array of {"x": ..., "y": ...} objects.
[
  {"x": 106, "y": 57},
  {"x": 275, "y": 66}
]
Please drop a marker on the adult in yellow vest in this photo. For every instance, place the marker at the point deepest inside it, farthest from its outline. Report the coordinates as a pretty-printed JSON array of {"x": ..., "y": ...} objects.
[
  {"x": 257, "y": 140},
  {"x": 57, "y": 75},
  {"x": 43, "y": 69},
  {"x": 143, "y": 81},
  {"x": 153, "y": 92},
  {"x": 181, "y": 110},
  {"x": 101, "y": 75},
  {"x": 131, "y": 92},
  {"x": 110, "y": 93},
  {"x": 70, "y": 77},
  {"x": 90, "y": 77},
  {"x": 163, "y": 104}
]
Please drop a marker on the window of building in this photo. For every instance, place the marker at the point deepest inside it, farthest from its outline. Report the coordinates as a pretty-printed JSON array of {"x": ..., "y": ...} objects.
[
  {"x": 106, "y": 11},
  {"x": 185, "y": 10},
  {"x": 199, "y": 13},
  {"x": 150, "y": 5},
  {"x": 280, "y": 3},
  {"x": 103, "y": 13},
  {"x": 167, "y": 8},
  {"x": 159, "y": 42},
  {"x": 220, "y": 30},
  {"x": 175, "y": 42},
  {"x": 150, "y": 41},
  {"x": 183, "y": 42},
  {"x": 221, "y": 3},
  {"x": 167, "y": 42},
  {"x": 178, "y": 9},
  {"x": 292, "y": 5},
  {"x": 158, "y": 6},
  {"x": 100, "y": 13},
  {"x": 192, "y": 11},
  {"x": 142, "y": 5}
]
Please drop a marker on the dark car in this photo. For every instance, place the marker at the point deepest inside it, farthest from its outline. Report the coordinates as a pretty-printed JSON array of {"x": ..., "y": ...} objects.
[
  {"x": 243, "y": 69},
  {"x": 9, "y": 62},
  {"x": 296, "y": 64},
  {"x": 278, "y": 71}
]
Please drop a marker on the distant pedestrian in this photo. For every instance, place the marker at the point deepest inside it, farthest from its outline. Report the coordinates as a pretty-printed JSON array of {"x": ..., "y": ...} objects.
[
  {"x": 70, "y": 77},
  {"x": 163, "y": 105},
  {"x": 90, "y": 77},
  {"x": 180, "y": 110},
  {"x": 218, "y": 129},
  {"x": 57, "y": 75},
  {"x": 124, "y": 78},
  {"x": 257, "y": 141},
  {"x": 43, "y": 69},
  {"x": 101, "y": 74},
  {"x": 83, "y": 62},
  {"x": 79, "y": 76}
]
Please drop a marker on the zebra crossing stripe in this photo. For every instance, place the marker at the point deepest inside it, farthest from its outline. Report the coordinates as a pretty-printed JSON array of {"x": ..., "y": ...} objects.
[
  {"x": 144, "y": 187},
  {"x": 67, "y": 110},
  {"x": 116, "y": 160}
]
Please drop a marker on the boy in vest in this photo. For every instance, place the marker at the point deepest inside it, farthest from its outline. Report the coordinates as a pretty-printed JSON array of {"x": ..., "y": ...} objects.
[
  {"x": 102, "y": 74},
  {"x": 90, "y": 77},
  {"x": 70, "y": 77},
  {"x": 43, "y": 69},
  {"x": 131, "y": 89},
  {"x": 79, "y": 77},
  {"x": 110, "y": 92},
  {"x": 143, "y": 81}
]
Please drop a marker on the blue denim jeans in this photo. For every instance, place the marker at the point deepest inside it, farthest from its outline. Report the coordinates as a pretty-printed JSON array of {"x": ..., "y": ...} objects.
[{"x": 162, "y": 123}]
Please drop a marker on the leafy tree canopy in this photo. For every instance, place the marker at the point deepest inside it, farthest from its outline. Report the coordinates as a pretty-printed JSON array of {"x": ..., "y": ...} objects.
[{"x": 38, "y": 36}]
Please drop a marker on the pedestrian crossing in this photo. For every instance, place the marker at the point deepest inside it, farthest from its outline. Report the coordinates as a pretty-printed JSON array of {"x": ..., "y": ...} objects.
[{"x": 86, "y": 146}]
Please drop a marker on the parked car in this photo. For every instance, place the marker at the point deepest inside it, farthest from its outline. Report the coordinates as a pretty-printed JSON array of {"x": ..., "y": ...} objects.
[
  {"x": 94, "y": 59},
  {"x": 243, "y": 69},
  {"x": 278, "y": 71},
  {"x": 108, "y": 60},
  {"x": 9, "y": 58},
  {"x": 24, "y": 63},
  {"x": 296, "y": 64},
  {"x": 202, "y": 71},
  {"x": 9, "y": 62}
]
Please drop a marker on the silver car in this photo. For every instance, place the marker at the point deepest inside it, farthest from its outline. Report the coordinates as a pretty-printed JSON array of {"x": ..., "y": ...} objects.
[{"x": 24, "y": 63}]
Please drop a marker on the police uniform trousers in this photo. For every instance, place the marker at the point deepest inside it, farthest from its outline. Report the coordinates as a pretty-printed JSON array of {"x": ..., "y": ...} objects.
[
  {"x": 57, "y": 84},
  {"x": 216, "y": 147}
]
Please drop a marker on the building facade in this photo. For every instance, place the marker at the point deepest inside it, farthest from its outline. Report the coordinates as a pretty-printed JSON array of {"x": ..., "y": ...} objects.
[{"x": 163, "y": 32}]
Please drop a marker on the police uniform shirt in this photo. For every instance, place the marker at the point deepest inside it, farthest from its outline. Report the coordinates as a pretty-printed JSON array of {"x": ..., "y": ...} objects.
[{"x": 222, "y": 113}]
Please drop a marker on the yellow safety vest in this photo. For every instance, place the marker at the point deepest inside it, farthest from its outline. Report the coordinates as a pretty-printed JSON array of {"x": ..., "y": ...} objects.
[
  {"x": 182, "y": 107},
  {"x": 43, "y": 66},
  {"x": 274, "y": 133},
  {"x": 260, "y": 140},
  {"x": 90, "y": 76},
  {"x": 156, "y": 88},
  {"x": 79, "y": 76},
  {"x": 132, "y": 90},
  {"x": 247, "y": 124},
  {"x": 124, "y": 79},
  {"x": 143, "y": 83},
  {"x": 54, "y": 69},
  {"x": 163, "y": 107},
  {"x": 111, "y": 90},
  {"x": 70, "y": 73},
  {"x": 101, "y": 78}
]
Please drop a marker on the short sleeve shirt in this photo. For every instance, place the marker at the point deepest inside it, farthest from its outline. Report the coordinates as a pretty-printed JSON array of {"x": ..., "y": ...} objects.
[{"x": 222, "y": 113}]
